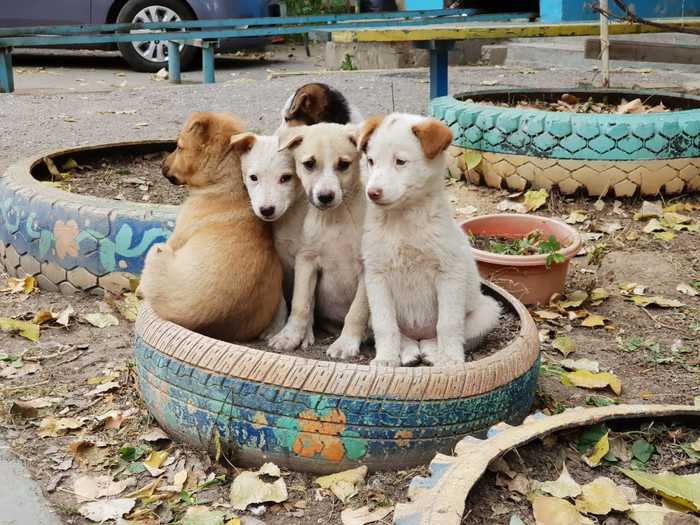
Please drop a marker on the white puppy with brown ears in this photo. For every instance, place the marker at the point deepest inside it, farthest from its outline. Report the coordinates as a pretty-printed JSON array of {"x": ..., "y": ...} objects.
[
  {"x": 421, "y": 278},
  {"x": 328, "y": 265}
]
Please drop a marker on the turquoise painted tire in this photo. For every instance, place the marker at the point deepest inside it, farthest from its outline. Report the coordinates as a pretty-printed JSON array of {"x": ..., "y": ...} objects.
[
  {"x": 72, "y": 242},
  {"x": 319, "y": 416},
  {"x": 584, "y": 136}
]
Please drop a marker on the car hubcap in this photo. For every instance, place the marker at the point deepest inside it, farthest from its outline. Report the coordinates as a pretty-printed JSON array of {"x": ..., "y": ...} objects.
[{"x": 155, "y": 50}]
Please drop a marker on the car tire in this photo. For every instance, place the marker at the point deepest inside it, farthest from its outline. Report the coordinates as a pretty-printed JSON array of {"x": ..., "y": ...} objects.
[{"x": 133, "y": 11}]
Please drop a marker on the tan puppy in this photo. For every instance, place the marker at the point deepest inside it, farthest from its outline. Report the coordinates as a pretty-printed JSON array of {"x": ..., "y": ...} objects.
[
  {"x": 218, "y": 274},
  {"x": 328, "y": 265}
]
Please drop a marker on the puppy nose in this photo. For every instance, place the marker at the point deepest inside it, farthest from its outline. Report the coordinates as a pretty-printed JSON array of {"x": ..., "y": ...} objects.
[
  {"x": 165, "y": 170},
  {"x": 375, "y": 193},
  {"x": 267, "y": 211},
  {"x": 326, "y": 198}
]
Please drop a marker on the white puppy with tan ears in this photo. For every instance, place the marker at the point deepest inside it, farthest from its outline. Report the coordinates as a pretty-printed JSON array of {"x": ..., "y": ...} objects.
[
  {"x": 328, "y": 266},
  {"x": 421, "y": 278},
  {"x": 276, "y": 195}
]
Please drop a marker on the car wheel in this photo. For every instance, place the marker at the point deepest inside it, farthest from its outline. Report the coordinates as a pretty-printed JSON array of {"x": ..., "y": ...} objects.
[{"x": 152, "y": 56}]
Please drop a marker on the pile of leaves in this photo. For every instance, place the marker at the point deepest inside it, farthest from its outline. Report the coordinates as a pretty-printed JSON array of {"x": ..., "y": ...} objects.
[{"x": 572, "y": 104}]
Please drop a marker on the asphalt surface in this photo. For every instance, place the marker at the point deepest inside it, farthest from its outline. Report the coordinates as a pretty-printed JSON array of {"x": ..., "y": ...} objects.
[{"x": 66, "y": 99}]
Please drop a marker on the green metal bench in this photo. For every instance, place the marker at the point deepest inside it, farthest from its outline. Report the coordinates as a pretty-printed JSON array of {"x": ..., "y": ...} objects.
[{"x": 207, "y": 33}]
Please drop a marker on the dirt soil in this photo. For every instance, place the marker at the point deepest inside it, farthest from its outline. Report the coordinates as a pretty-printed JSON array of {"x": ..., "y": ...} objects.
[
  {"x": 130, "y": 177},
  {"x": 86, "y": 373}
]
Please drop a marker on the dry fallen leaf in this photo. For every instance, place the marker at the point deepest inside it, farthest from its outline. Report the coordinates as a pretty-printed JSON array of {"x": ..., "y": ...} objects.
[
  {"x": 54, "y": 427},
  {"x": 563, "y": 487},
  {"x": 599, "y": 295},
  {"x": 648, "y": 514},
  {"x": 649, "y": 210},
  {"x": 343, "y": 484},
  {"x": 654, "y": 226},
  {"x": 656, "y": 300},
  {"x": 25, "y": 285},
  {"x": 535, "y": 199},
  {"x": 585, "y": 379},
  {"x": 100, "y": 511},
  {"x": 249, "y": 487},
  {"x": 19, "y": 371},
  {"x": 472, "y": 158},
  {"x": 201, "y": 515},
  {"x": 30, "y": 409},
  {"x": 86, "y": 453},
  {"x": 556, "y": 511},
  {"x": 681, "y": 490},
  {"x": 26, "y": 329},
  {"x": 547, "y": 314},
  {"x": 593, "y": 321},
  {"x": 573, "y": 299},
  {"x": 509, "y": 205},
  {"x": 581, "y": 364},
  {"x": 363, "y": 515},
  {"x": 576, "y": 217},
  {"x": 154, "y": 461},
  {"x": 564, "y": 344},
  {"x": 601, "y": 496},
  {"x": 89, "y": 488},
  {"x": 600, "y": 450},
  {"x": 686, "y": 289},
  {"x": 101, "y": 320}
]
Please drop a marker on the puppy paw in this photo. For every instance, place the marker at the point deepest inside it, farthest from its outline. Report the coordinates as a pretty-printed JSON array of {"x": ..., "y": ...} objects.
[
  {"x": 290, "y": 338},
  {"x": 391, "y": 363},
  {"x": 410, "y": 352},
  {"x": 309, "y": 338},
  {"x": 344, "y": 348}
]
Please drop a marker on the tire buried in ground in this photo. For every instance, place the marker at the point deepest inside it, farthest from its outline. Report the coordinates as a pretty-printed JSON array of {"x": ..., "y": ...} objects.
[{"x": 322, "y": 416}]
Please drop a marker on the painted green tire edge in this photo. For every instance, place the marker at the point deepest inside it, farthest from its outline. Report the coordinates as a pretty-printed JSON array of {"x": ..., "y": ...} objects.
[
  {"x": 579, "y": 136},
  {"x": 303, "y": 429},
  {"x": 75, "y": 242}
]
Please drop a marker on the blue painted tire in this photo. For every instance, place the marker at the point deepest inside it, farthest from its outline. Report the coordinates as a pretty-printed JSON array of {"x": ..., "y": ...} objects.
[
  {"x": 320, "y": 416},
  {"x": 528, "y": 147},
  {"x": 72, "y": 242}
]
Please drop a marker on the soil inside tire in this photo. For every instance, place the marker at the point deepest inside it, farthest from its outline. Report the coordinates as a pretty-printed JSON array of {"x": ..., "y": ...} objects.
[
  {"x": 506, "y": 330},
  {"x": 129, "y": 175}
]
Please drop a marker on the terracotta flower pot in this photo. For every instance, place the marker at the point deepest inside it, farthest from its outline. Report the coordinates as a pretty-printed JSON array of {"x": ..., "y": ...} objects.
[{"x": 525, "y": 276}]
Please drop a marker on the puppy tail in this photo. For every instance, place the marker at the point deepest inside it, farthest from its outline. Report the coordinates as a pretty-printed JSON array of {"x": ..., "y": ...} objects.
[{"x": 480, "y": 321}]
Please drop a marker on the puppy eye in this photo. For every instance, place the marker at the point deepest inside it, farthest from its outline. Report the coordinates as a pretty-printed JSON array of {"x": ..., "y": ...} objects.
[
  {"x": 287, "y": 119},
  {"x": 400, "y": 162},
  {"x": 343, "y": 165},
  {"x": 254, "y": 178},
  {"x": 370, "y": 161},
  {"x": 309, "y": 164},
  {"x": 285, "y": 178}
]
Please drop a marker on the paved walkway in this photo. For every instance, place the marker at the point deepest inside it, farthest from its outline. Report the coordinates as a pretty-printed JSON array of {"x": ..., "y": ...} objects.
[{"x": 21, "y": 501}]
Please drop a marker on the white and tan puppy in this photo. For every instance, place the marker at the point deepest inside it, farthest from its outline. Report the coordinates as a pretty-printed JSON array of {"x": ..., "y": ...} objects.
[
  {"x": 276, "y": 195},
  {"x": 328, "y": 264},
  {"x": 218, "y": 274},
  {"x": 421, "y": 278}
]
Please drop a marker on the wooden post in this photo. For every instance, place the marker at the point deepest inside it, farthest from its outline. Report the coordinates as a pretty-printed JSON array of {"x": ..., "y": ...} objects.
[
  {"x": 604, "y": 43},
  {"x": 7, "y": 84}
]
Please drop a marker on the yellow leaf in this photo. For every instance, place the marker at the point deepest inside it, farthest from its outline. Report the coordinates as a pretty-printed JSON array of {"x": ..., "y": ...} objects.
[
  {"x": 657, "y": 300},
  {"x": 101, "y": 320},
  {"x": 600, "y": 450},
  {"x": 547, "y": 314},
  {"x": 576, "y": 217},
  {"x": 594, "y": 320},
  {"x": 43, "y": 316},
  {"x": 599, "y": 294},
  {"x": 26, "y": 329},
  {"x": 586, "y": 379},
  {"x": 58, "y": 426},
  {"x": 665, "y": 236},
  {"x": 696, "y": 445},
  {"x": 564, "y": 487},
  {"x": 682, "y": 490},
  {"x": 56, "y": 175},
  {"x": 234, "y": 521},
  {"x": 472, "y": 158},
  {"x": 602, "y": 496},
  {"x": 26, "y": 285},
  {"x": 343, "y": 484},
  {"x": 648, "y": 514},
  {"x": 564, "y": 344},
  {"x": 155, "y": 459},
  {"x": 654, "y": 226},
  {"x": 574, "y": 299},
  {"x": 672, "y": 218},
  {"x": 556, "y": 511},
  {"x": 534, "y": 200}
]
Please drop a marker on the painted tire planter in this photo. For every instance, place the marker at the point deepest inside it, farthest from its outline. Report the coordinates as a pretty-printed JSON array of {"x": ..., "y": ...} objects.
[
  {"x": 73, "y": 242},
  {"x": 320, "y": 416},
  {"x": 598, "y": 153}
]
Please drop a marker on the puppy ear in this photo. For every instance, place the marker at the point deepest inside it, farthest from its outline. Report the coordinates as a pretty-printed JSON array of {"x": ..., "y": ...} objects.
[
  {"x": 369, "y": 126},
  {"x": 243, "y": 142},
  {"x": 300, "y": 100},
  {"x": 434, "y": 137},
  {"x": 290, "y": 142},
  {"x": 198, "y": 123},
  {"x": 351, "y": 129}
]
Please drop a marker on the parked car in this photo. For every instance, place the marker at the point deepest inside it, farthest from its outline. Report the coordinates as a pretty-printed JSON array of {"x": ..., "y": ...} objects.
[{"x": 143, "y": 56}]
